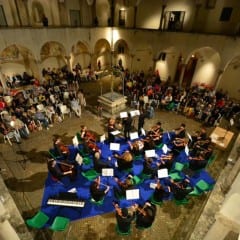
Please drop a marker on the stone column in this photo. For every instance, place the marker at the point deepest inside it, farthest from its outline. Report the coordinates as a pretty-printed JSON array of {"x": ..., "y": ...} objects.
[
  {"x": 164, "y": 5},
  {"x": 218, "y": 79},
  {"x": 227, "y": 219},
  {"x": 182, "y": 74},
  {"x": 27, "y": 12},
  {"x": 6, "y": 230},
  {"x": 3, "y": 81},
  {"x": 135, "y": 17}
]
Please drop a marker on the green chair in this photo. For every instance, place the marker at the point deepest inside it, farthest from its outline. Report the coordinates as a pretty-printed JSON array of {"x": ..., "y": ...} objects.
[
  {"x": 159, "y": 146},
  {"x": 176, "y": 176},
  {"x": 38, "y": 221},
  {"x": 159, "y": 203},
  {"x": 99, "y": 203},
  {"x": 203, "y": 186},
  {"x": 137, "y": 157},
  {"x": 211, "y": 159},
  {"x": 79, "y": 137},
  {"x": 122, "y": 233},
  {"x": 181, "y": 202},
  {"x": 178, "y": 167},
  {"x": 136, "y": 180},
  {"x": 59, "y": 223},
  {"x": 90, "y": 174},
  {"x": 53, "y": 154},
  {"x": 195, "y": 192},
  {"x": 87, "y": 160}
]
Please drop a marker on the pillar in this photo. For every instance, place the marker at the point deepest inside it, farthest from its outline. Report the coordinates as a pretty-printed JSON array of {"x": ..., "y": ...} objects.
[
  {"x": 3, "y": 81},
  {"x": 227, "y": 219},
  {"x": 218, "y": 79},
  {"x": 164, "y": 5},
  {"x": 6, "y": 230},
  {"x": 218, "y": 231},
  {"x": 182, "y": 74},
  {"x": 135, "y": 17}
]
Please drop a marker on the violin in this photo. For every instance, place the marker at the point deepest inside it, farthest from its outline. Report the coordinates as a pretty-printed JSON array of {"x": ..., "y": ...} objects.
[{"x": 65, "y": 167}]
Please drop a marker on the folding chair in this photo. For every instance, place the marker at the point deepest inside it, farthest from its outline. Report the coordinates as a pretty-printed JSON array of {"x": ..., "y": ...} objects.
[
  {"x": 38, "y": 221},
  {"x": 99, "y": 203},
  {"x": 90, "y": 174},
  {"x": 60, "y": 223}
]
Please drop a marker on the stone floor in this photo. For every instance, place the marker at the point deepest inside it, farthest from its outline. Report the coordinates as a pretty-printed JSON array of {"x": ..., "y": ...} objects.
[{"x": 26, "y": 172}]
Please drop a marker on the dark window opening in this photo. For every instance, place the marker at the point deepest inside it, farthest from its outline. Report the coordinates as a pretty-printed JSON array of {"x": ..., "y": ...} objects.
[
  {"x": 226, "y": 14},
  {"x": 122, "y": 18}
]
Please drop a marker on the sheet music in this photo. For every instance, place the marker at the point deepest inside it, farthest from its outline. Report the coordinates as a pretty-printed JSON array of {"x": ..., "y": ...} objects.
[
  {"x": 134, "y": 135},
  {"x": 132, "y": 194},
  {"x": 189, "y": 136},
  {"x": 143, "y": 132},
  {"x": 165, "y": 149},
  {"x": 153, "y": 185},
  {"x": 108, "y": 172},
  {"x": 72, "y": 190},
  {"x": 102, "y": 138},
  {"x": 123, "y": 115},
  {"x": 79, "y": 159},
  {"x": 187, "y": 150},
  {"x": 115, "y": 146},
  {"x": 163, "y": 173},
  {"x": 135, "y": 113},
  {"x": 75, "y": 141},
  {"x": 116, "y": 132},
  {"x": 150, "y": 153}
]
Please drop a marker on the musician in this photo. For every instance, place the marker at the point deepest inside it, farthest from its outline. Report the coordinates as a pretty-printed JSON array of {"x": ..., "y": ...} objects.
[
  {"x": 161, "y": 192},
  {"x": 98, "y": 164},
  {"x": 137, "y": 147},
  {"x": 98, "y": 193},
  {"x": 198, "y": 162},
  {"x": 123, "y": 218},
  {"x": 122, "y": 186},
  {"x": 127, "y": 125},
  {"x": 141, "y": 120},
  {"x": 83, "y": 131},
  {"x": 56, "y": 170},
  {"x": 201, "y": 145},
  {"x": 110, "y": 129},
  {"x": 124, "y": 161},
  {"x": 156, "y": 133},
  {"x": 181, "y": 131},
  {"x": 149, "y": 168},
  {"x": 166, "y": 161},
  {"x": 180, "y": 189},
  {"x": 145, "y": 215},
  {"x": 178, "y": 145},
  {"x": 60, "y": 148}
]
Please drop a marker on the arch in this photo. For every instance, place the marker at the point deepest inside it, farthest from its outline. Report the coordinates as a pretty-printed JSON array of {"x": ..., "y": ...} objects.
[
  {"x": 16, "y": 59},
  {"x": 121, "y": 53},
  {"x": 202, "y": 66},
  {"x": 80, "y": 54},
  {"x": 102, "y": 54},
  {"x": 230, "y": 78},
  {"x": 53, "y": 54}
]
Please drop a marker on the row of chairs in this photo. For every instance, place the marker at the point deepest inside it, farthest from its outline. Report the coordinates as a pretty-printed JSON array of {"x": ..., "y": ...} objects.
[{"x": 40, "y": 219}]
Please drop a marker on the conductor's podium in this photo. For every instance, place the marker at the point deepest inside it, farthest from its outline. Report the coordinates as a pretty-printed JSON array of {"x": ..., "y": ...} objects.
[{"x": 221, "y": 137}]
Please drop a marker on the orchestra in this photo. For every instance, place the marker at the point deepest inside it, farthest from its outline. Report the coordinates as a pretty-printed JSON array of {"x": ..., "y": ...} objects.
[{"x": 199, "y": 151}]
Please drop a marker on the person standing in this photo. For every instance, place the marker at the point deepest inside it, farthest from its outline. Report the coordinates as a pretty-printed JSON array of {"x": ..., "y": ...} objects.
[
  {"x": 141, "y": 120},
  {"x": 127, "y": 124},
  {"x": 82, "y": 100},
  {"x": 124, "y": 219}
]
